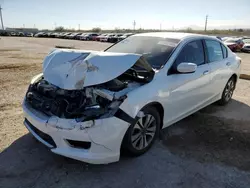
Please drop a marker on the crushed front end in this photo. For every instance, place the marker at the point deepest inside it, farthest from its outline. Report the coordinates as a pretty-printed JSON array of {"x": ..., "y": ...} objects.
[{"x": 78, "y": 116}]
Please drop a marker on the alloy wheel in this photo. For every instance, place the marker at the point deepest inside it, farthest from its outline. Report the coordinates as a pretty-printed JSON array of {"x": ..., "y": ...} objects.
[
  {"x": 229, "y": 90},
  {"x": 143, "y": 132}
]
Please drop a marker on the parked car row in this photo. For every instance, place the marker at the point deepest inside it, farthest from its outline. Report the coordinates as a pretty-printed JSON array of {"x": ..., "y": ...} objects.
[
  {"x": 237, "y": 44},
  {"x": 17, "y": 34},
  {"x": 102, "y": 37},
  {"x": 105, "y": 37}
]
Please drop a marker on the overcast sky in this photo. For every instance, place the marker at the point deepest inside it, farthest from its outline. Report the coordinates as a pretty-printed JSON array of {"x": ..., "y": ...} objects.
[{"x": 109, "y": 14}]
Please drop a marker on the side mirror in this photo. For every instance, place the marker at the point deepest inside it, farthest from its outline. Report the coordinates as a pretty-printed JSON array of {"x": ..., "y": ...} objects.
[{"x": 186, "y": 67}]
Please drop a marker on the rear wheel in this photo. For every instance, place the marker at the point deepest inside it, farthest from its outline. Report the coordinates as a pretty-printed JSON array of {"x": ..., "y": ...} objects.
[
  {"x": 228, "y": 91},
  {"x": 141, "y": 135}
]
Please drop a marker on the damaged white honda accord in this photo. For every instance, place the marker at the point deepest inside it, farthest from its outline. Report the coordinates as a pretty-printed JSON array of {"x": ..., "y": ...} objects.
[{"x": 88, "y": 105}]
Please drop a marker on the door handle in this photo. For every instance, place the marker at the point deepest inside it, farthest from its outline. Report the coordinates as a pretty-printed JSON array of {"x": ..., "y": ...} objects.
[
  {"x": 205, "y": 72},
  {"x": 228, "y": 64}
]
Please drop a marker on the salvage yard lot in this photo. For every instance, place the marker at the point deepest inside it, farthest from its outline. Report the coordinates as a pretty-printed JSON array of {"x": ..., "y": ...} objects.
[{"x": 208, "y": 149}]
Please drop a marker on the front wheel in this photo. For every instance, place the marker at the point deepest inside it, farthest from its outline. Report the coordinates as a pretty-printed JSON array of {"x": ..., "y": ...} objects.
[
  {"x": 228, "y": 92},
  {"x": 141, "y": 135}
]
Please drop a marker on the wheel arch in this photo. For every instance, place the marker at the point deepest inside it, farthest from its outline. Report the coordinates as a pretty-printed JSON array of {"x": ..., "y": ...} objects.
[
  {"x": 234, "y": 76},
  {"x": 159, "y": 107}
]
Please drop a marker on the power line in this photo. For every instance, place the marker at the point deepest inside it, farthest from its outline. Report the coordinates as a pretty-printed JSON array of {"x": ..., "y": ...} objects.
[
  {"x": 206, "y": 23},
  {"x": 1, "y": 17}
]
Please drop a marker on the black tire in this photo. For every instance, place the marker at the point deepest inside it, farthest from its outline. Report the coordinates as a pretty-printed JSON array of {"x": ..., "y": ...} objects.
[
  {"x": 127, "y": 144},
  {"x": 228, "y": 92}
]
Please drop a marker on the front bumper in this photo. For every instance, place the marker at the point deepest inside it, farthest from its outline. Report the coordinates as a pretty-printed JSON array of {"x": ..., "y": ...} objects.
[{"x": 105, "y": 136}]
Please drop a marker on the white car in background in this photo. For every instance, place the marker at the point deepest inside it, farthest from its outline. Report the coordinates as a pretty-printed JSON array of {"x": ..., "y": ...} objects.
[
  {"x": 88, "y": 105},
  {"x": 124, "y": 36},
  {"x": 224, "y": 38},
  {"x": 105, "y": 38},
  {"x": 98, "y": 38},
  {"x": 246, "y": 47},
  {"x": 80, "y": 36}
]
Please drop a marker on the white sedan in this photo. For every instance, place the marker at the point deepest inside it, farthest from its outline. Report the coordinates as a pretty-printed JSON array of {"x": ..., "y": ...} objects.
[
  {"x": 88, "y": 105},
  {"x": 246, "y": 47}
]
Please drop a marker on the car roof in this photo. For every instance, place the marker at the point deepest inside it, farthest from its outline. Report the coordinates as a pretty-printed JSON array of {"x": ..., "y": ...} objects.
[{"x": 174, "y": 35}]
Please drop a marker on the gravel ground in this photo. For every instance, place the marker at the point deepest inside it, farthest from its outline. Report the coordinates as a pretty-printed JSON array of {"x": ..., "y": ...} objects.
[{"x": 208, "y": 149}]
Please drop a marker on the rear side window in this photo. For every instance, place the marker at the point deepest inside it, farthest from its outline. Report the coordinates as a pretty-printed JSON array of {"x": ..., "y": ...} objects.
[
  {"x": 192, "y": 53},
  {"x": 214, "y": 50},
  {"x": 224, "y": 50}
]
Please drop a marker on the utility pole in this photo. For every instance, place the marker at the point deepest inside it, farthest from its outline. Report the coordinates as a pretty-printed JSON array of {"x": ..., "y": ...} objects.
[
  {"x": 1, "y": 17},
  {"x": 206, "y": 23},
  {"x": 134, "y": 23},
  {"x": 160, "y": 26}
]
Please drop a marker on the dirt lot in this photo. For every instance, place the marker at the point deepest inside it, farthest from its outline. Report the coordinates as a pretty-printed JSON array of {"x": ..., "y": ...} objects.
[
  {"x": 208, "y": 149},
  {"x": 245, "y": 62}
]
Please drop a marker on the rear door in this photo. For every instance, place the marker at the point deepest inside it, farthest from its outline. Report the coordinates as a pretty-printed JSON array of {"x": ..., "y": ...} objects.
[{"x": 219, "y": 63}]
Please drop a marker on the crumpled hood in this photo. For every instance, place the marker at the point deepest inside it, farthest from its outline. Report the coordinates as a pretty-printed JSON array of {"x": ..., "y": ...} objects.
[{"x": 76, "y": 69}]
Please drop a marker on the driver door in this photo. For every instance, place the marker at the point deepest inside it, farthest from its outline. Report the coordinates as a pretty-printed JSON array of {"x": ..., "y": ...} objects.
[{"x": 187, "y": 91}]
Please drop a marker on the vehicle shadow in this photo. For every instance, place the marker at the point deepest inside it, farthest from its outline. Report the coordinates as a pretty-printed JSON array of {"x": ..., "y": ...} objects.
[
  {"x": 201, "y": 137},
  {"x": 217, "y": 134},
  {"x": 27, "y": 163}
]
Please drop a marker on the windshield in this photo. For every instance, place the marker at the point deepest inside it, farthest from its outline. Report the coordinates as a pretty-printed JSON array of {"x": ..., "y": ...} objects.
[{"x": 156, "y": 50}]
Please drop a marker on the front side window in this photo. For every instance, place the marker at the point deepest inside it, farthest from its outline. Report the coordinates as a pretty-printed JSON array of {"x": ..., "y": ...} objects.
[
  {"x": 156, "y": 50},
  {"x": 192, "y": 53},
  {"x": 214, "y": 50}
]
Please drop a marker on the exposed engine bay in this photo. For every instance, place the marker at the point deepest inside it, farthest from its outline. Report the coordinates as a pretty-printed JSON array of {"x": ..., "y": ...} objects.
[{"x": 92, "y": 102}]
